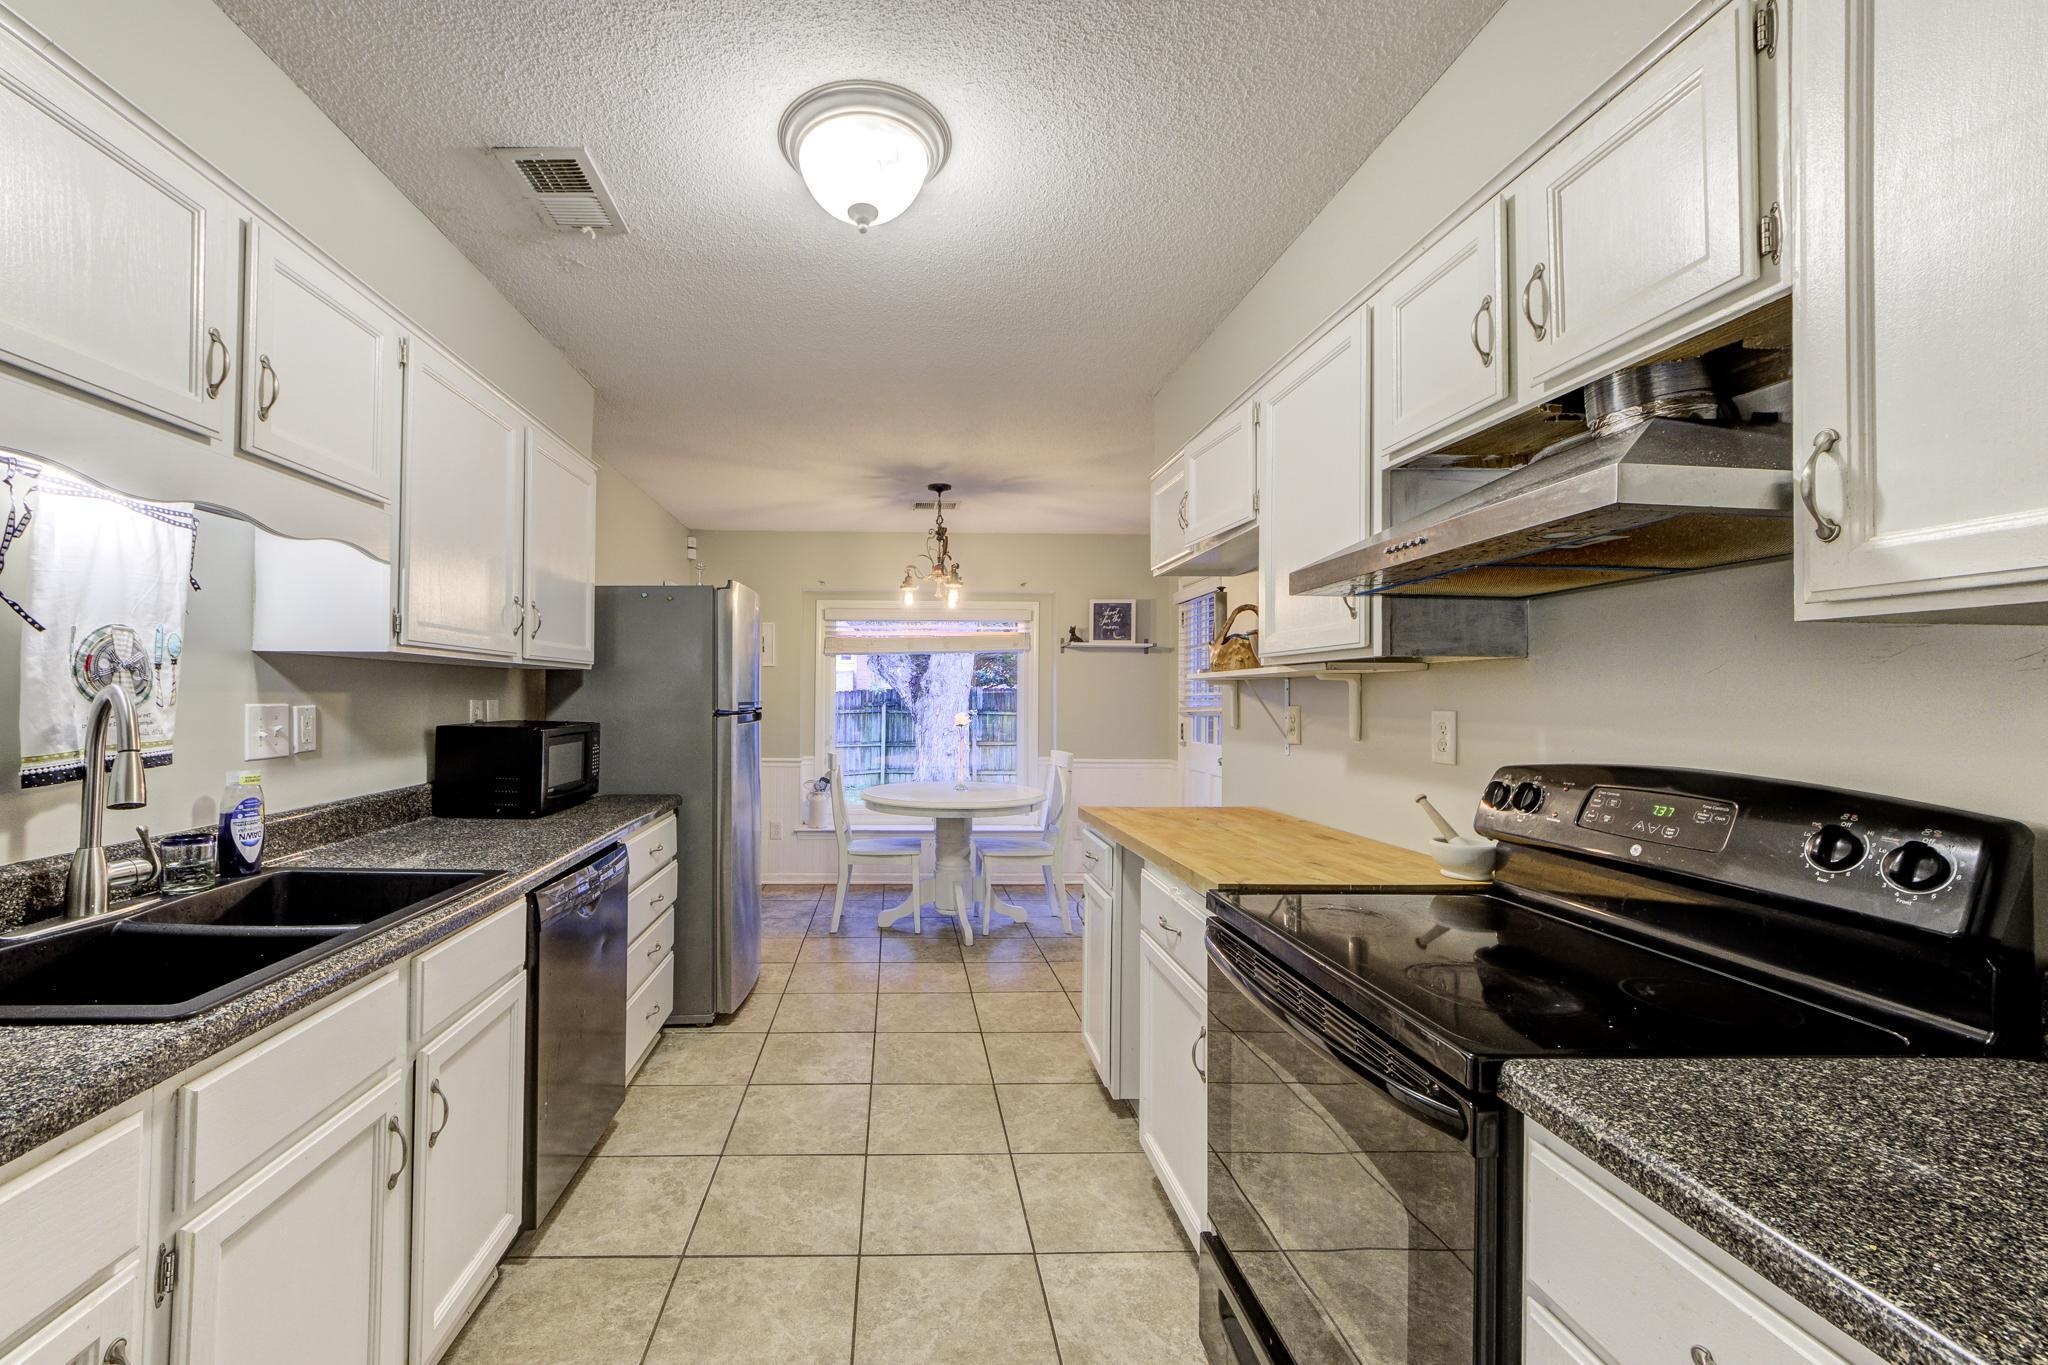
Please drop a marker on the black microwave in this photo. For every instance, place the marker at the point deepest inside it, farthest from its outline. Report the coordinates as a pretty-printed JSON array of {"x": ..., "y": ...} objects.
[{"x": 513, "y": 768}]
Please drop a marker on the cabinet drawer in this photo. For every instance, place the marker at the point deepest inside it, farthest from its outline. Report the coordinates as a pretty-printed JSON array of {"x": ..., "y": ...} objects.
[
  {"x": 646, "y": 1011},
  {"x": 651, "y": 850},
  {"x": 649, "y": 949},
  {"x": 234, "y": 1116},
  {"x": 1098, "y": 861},
  {"x": 1173, "y": 916},
  {"x": 68, "y": 1219},
  {"x": 90, "y": 1328},
  {"x": 649, "y": 901},
  {"x": 449, "y": 977},
  {"x": 1631, "y": 1290}
]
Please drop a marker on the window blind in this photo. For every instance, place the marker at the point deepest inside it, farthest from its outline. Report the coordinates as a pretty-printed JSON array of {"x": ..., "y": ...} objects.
[{"x": 868, "y": 633}]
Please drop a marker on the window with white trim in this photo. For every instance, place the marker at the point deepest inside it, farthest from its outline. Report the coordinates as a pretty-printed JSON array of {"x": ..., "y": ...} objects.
[
  {"x": 927, "y": 693},
  {"x": 1201, "y": 701}
]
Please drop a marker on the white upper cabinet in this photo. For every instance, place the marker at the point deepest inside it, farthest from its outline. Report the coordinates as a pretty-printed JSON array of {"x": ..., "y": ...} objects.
[
  {"x": 1644, "y": 212},
  {"x": 561, "y": 552},
  {"x": 1222, "y": 471},
  {"x": 117, "y": 258},
  {"x": 1317, "y": 500},
  {"x": 460, "y": 520},
  {"x": 320, "y": 370},
  {"x": 1169, "y": 515},
  {"x": 1918, "y": 300},
  {"x": 1440, "y": 349}
]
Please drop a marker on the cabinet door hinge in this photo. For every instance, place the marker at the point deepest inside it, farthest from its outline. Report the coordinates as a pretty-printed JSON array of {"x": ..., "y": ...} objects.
[
  {"x": 166, "y": 1272},
  {"x": 405, "y": 350},
  {"x": 1255, "y": 502},
  {"x": 1255, "y": 414},
  {"x": 397, "y": 625},
  {"x": 1766, "y": 28},
  {"x": 1770, "y": 234}
]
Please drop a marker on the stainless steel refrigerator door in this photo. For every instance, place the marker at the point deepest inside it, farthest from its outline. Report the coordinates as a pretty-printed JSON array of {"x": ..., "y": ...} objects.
[
  {"x": 739, "y": 648},
  {"x": 739, "y": 859}
]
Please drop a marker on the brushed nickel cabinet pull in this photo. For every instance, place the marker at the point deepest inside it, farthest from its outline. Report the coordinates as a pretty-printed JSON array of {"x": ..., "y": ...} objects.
[
  {"x": 1486, "y": 312},
  {"x": 264, "y": 370},
  {"x": 404, "y": 1152},
  {"x": 1826, "y": 442},
  {"x": 215, "y": 345},
  {"x": 447, "y": 1112},
  {"x": 1536, "y": 279}
]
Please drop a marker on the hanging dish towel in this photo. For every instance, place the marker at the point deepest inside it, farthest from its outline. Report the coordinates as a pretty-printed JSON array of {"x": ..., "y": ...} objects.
[{"x": 104, "y": 600}]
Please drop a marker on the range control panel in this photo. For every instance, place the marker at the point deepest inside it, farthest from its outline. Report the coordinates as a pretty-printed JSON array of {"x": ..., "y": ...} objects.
[{"x": 1916, "y": 866}]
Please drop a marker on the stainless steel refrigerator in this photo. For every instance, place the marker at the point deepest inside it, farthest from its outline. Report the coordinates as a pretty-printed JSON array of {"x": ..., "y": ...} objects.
[{"x": 676, "y": 688}]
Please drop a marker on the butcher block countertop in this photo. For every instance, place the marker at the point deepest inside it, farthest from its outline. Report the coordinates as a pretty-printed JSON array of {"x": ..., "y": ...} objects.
[{"x": 1226, "y": 848}]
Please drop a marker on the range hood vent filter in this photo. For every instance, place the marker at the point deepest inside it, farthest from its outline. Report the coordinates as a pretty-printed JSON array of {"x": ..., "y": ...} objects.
[{"x": 564, "y": 188}]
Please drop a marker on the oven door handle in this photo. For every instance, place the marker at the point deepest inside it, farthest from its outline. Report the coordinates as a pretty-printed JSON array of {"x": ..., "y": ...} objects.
[{"x": 1444, "y": 1117}]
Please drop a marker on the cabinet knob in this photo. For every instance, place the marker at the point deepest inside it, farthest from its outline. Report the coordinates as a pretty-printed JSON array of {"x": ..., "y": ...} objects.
[{"x": 1827, "y": 442}]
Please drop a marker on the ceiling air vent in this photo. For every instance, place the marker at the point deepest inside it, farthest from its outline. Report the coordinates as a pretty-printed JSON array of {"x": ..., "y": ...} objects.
[{"x": 563, "y": 188}]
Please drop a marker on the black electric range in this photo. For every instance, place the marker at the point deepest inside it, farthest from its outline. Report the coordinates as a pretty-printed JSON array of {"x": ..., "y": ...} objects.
[{"x": 1363, "y": 1180}]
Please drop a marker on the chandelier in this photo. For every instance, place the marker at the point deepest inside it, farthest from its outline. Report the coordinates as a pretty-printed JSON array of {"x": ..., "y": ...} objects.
[{"x": 944, "y": 573}]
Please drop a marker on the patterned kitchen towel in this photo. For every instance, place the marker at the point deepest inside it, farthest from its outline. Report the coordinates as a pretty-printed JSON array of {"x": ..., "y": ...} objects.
[{"x": 104, "y": 599}]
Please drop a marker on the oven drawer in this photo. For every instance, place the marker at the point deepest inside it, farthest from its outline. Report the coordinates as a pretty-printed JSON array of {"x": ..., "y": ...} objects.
[
  {"x": 1173, "y": 916},
  {"x": 1628, "y": 1290}
]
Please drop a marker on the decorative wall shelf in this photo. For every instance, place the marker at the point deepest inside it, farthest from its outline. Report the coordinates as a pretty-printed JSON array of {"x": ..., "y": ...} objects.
[
  {"x": 1351, "y": 672},
  {"x": 1111, "y": 646}
]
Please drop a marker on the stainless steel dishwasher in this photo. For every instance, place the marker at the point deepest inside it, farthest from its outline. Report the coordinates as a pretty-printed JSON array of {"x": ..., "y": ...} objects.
[{"x": 576, "y": 1046}]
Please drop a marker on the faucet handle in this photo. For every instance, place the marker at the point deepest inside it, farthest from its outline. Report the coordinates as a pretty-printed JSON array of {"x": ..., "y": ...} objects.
[{"x": 139, "y": 874}]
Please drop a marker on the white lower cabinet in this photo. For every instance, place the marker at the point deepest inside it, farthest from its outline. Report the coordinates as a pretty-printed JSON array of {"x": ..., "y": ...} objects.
[
  {"x": 305, "y": 1261},
  {"x": 1098, "y": 910},
  {"x": 1609, "y": 1276},
  {"x": 469, "y": 1102},
  {"x": 1173, "y": 1017}
]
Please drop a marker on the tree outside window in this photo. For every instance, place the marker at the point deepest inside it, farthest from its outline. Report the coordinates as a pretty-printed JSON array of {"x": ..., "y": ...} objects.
[{"x": 897, "y": 717}]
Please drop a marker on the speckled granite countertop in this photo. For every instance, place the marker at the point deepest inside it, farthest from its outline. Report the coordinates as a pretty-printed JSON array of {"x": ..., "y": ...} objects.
[
  {"x": 1905, "y": 1200},
  {"x": 56, "y": 1076}
]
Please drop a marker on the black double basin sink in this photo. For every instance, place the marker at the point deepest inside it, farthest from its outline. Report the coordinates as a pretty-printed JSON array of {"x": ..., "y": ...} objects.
[{"x": 173, "y": 958}]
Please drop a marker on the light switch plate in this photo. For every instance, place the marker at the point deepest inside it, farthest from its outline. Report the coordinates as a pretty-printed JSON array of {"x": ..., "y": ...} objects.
[
  {"x": 1443, "y": 737},
  {"x": 305, "y": 729},
  {"x": 266, "y": 731},
  {"x": 490, "y": 708}
]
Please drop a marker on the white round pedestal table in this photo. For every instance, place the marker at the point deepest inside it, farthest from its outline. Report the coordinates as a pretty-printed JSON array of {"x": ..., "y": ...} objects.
[{"x": 952, "y": 808}]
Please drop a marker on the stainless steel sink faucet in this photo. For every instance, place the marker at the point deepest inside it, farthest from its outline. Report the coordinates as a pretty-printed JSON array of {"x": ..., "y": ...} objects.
[{"x": 94, "y": 881}]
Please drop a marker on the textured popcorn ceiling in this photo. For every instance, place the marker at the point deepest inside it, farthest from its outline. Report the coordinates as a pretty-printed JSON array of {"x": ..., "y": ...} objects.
[{"x": 1122, "y": 172}]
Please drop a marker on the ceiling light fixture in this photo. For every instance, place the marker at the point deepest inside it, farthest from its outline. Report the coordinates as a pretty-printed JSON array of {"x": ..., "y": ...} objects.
[
  {"x": 944, "y": 573},
  {"x": 864, "y": 148}
]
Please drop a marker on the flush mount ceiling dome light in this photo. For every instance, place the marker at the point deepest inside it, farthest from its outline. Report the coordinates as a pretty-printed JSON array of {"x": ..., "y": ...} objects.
[{"x": 864, "y": 148}]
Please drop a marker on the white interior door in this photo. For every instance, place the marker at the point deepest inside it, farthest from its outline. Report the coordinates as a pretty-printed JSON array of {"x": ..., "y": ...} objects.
[
  {"x": 320, "y": 371},
  {"x": 1200, "y": 703},
  {"x": 305, "y": 1262},
  {"x": 1918, "y": 329},
  {"x": 1644, "y": 211},
  {"x": 460, "y": 523},
  {"x": 117, "y": 259},
  {"x": 561, "y": 552},
  {"x": 469, "y": 1107},
  {"x": 1313, "y": 466},
  {"x": 1439, "y": 342}
]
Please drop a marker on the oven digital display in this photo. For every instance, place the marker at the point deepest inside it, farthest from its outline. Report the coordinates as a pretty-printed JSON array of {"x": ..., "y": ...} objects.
[{"x": 1665, "y": 817}]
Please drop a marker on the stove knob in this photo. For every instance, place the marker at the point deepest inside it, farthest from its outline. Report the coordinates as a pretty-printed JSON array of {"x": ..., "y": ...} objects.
[
  {"x": 1835, "y": 848},
  {"x": 1914, "y": 866},
  {"x": 1496, "y": 795},
  {"x": 1527, "y": 798}
]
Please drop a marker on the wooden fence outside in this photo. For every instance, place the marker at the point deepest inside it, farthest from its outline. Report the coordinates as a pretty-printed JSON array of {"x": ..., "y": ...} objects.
[{"x": 877, "y": 738}]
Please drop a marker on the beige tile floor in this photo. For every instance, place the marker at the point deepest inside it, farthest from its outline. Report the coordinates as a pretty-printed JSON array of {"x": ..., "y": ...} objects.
[{"x": 896, "y": 1153}]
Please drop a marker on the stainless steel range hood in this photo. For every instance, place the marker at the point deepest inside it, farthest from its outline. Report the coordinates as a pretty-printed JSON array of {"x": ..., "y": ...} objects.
[{"x": 1661, "y": 497}]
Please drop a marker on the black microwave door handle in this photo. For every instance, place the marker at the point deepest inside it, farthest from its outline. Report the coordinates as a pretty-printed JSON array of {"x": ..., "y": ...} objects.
[{"x": 1445, "y": 1118}]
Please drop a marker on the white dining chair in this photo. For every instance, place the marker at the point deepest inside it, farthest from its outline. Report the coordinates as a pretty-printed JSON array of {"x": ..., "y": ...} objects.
[
  {"x": 886, "y": 850},
  {"x": 1046, "y": 851}
]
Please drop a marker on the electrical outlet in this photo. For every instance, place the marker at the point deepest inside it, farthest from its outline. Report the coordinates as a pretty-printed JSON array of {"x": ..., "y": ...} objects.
[
  {"x": 1443, "y": 736},
  {"x": 305, "y": 729},
  {"x": 490, "y": 708},
  {"x": 1294, "y": 725},
  {"x": 266, "y": 731},
  {"x": 775, "y": 829},
  {"x": 476, "y": 709}
]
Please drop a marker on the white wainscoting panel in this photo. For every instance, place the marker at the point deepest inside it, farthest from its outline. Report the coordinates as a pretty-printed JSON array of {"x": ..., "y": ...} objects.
[{"x": 793, "y": 853}]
